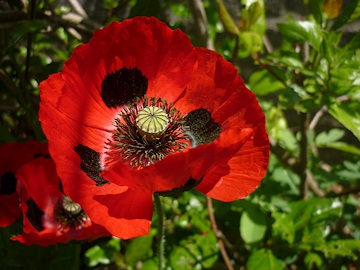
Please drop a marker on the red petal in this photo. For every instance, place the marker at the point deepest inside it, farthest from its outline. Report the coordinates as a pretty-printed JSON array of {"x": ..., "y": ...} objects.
[
  {"x": 108, "y": 207},
  {"x": 165, "y": 57},
  {"x": 12, "y": 156}
]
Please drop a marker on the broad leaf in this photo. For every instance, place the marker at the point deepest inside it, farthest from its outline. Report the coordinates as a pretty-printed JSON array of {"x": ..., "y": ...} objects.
[
  {"x": 346, "y": 116},
  {"x": 252, "y": 224},
  {"x": 263, "y": 259},
  {"x": 302, "y": 31}
]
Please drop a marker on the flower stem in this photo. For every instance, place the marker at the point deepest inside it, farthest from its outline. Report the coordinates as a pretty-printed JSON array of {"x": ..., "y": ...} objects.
[{"x": 160, "y": 240}]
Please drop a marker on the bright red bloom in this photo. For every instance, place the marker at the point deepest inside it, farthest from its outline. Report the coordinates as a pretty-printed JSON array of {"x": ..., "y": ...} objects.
[
  {"x": 12, "y": 157},
  {"x": 139, "y": 110},
  {"x": 49, "y": 216}
]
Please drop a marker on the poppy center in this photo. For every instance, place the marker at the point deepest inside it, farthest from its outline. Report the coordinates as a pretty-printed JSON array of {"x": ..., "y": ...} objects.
[
  {"x": 148, "y": 130},
  {"x": 69, "y": 214},
  {"x": 72, "y": 208},
  {"x": 152, "y": 122}
]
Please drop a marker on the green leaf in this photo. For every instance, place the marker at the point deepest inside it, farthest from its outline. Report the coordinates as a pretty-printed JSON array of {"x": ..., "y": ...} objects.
[
  {"x": 226, "y": 19},
  {"x": 20, "y": 29},
  {"x": 349, "y": 49},
  {"x": 346, "y": 14},
  {"x": 196, "y": 251},
  {"x": 316, "y": 9},
  {"x": 139, "y": 248},
  {"x": 283, "y": 227},
  {"x": 263, "y": 259},
  {"x": 249, "y": 43},
  {"x": 313, "y": 261},
  {"x": 252, "y": 224},
  {"x": 342, "y": 146},
  {"x": 346, "y": 116},
  {"x": 302, "y": 31},
  {"x": 326, "y": 137},
  {"x": 263, "y": 83},
  {"x": 356, "y": 14},
  {"x": 346, "y": 247},
  {"x": 96, "y": 255}
]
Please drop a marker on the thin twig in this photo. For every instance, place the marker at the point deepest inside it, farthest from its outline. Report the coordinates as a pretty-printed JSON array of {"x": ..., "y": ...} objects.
[
  {"x": 201, "y": 23},
  {"x": 313, "y": 184},
  {"x": 303, "y": 157},
  {"x": 218, "y": 233},
  {"x": 78, "y": 8}
]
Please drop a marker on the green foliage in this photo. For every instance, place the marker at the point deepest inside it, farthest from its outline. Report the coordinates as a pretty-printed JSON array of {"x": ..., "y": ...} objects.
[{"x": 305, "y": 213}]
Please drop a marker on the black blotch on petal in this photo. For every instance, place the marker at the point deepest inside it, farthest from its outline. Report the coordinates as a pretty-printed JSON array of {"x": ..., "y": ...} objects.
[
  {"x": 176, "y": 192},
  {"x": 8, "y": 183},
  {"x": 202, "y": 128},
  {"x": 123, "y": 86},
  {"x": 34, "y": 215},
  {"x": 90, "y": 163}
]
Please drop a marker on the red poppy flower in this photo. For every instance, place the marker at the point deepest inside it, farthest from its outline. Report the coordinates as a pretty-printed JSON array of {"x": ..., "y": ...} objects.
[
  {"x": 12, "y": 157},
  {"x": 139, "y": 110},
  {"x": 49, "y": 216}
]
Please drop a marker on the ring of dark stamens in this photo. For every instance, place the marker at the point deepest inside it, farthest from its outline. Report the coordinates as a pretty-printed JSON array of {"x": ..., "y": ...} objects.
[
  {"x": 67, "y": 219},
  {"x": 134, "y": 147}
]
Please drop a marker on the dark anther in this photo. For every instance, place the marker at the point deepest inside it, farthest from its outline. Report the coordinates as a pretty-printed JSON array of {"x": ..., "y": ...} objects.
[
  {"x": 8, "y": 183},
  {"x": 34, "y": 215},
  {"x": 176, "y": 192},
  {"x": 202, "y": 128},
  {"x": 123, "y": 86},
  {"x": 90, "y": 163}
]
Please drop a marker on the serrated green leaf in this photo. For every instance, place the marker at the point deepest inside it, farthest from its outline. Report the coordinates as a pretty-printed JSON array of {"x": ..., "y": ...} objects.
[
  {"x": 344, "y": 247},
  {"x": 263, "y": 259},
  {"x": 195, "y": 252},
  {"x": 345, "y": 15},
  {"x": 252, "y": 224},
  {"x": 283, "y": 227},
  {"x": 263, "y": 83},
  {"x": 226, "y": 19},
  {"x": 302, "y": 31},
  {"x": 326, "y": 137},
  {"x": 346, "y": 116}
]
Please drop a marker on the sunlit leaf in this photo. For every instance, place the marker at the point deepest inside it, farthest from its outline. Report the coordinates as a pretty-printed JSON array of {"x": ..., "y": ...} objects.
[
  {"x": 263, "y": 83},
  {"x": 343, "y": 247},
  {"x": 330, "y": 136},
  {"x": 252, "y": 224},
  {"x": 263, "y": 259},
  {"x": 302, "y": 31},
  {"x": 346, "y": 116}
]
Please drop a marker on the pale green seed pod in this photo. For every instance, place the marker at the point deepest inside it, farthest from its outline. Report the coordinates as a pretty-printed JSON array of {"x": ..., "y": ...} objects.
[{"x": 152, "y": 122}]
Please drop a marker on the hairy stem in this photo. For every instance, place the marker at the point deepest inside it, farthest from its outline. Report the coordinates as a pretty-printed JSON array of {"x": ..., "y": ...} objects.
[{"x": 160, "y": 239}]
